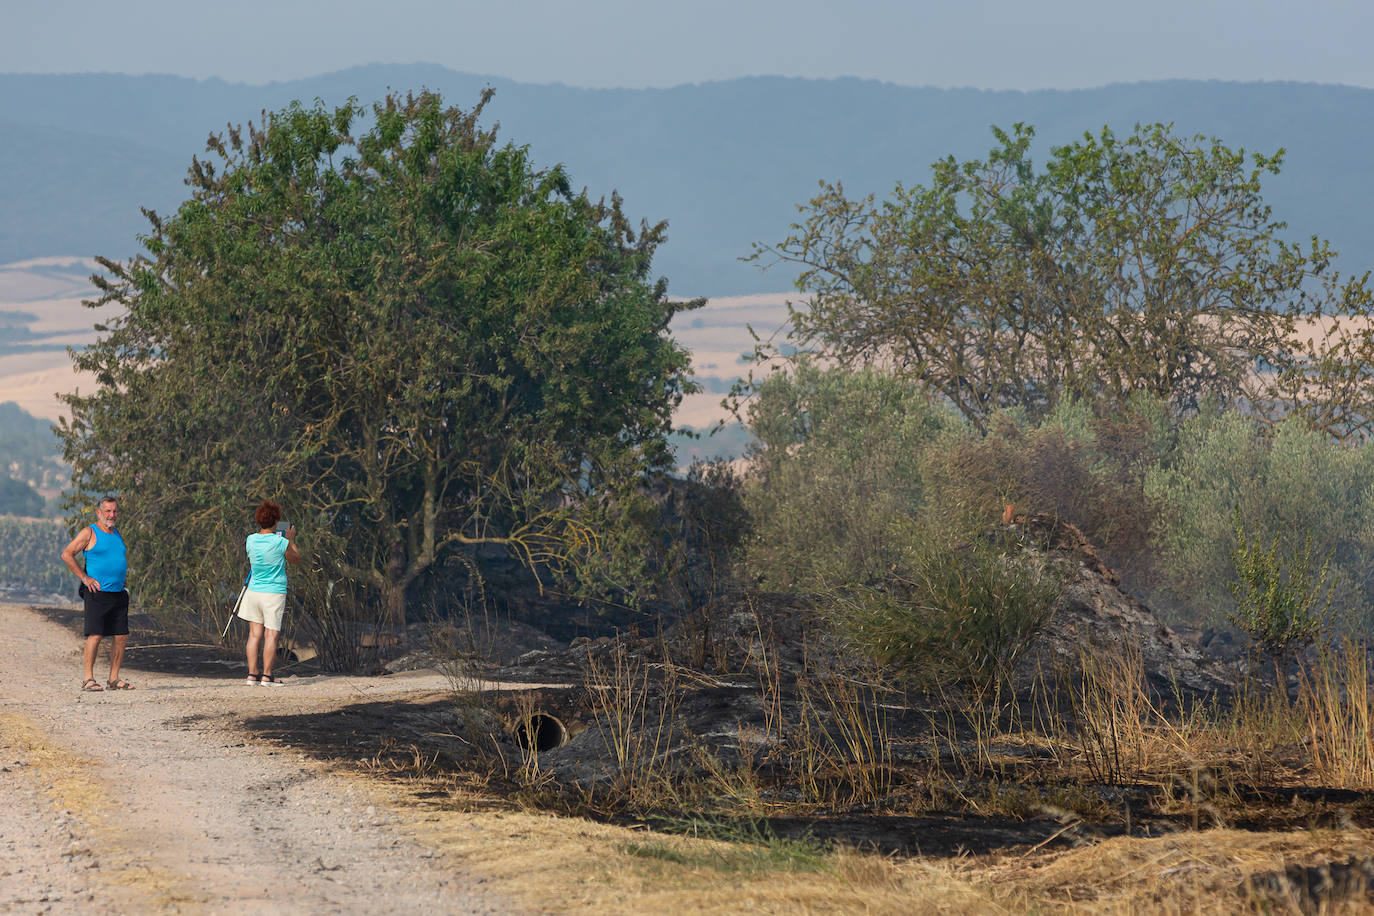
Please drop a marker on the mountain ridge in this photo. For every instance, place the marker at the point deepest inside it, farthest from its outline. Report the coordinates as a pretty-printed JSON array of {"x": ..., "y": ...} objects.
[{"x": 726, "y": 162}]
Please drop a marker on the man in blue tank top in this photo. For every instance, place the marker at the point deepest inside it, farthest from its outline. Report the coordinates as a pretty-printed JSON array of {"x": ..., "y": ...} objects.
[{"x": 103, "y": 591}]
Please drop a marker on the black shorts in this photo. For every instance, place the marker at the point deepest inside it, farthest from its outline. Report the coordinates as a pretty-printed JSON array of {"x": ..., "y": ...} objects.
[{"x": 107, "y": 613}]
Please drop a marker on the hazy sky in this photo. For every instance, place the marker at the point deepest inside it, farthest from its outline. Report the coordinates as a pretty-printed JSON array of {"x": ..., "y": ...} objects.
[{"x": 995, "y": 44}]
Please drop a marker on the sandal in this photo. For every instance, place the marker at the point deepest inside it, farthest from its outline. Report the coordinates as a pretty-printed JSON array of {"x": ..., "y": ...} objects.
[
  {"x": 92, "y": 685},
  {"x": 253, "y": 680},
  {"x": 117, "y": 684}
]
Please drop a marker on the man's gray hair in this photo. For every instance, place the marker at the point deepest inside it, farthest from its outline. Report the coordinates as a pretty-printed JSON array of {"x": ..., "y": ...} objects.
[{"x": 109, "y": 499}]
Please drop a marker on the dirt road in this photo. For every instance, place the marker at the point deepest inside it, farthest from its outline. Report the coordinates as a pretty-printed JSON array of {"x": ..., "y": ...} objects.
[{"x": 141, "y": 801}]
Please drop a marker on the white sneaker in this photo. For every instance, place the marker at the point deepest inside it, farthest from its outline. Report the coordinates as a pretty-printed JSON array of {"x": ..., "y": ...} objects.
[{"x": 270, "y": 681}]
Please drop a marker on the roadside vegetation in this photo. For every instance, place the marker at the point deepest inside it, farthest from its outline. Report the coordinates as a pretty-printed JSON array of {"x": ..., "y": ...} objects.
[{"x": 432, "y": 355}]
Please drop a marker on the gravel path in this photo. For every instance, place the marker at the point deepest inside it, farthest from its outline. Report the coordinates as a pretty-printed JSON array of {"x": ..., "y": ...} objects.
[{"x": 141, "y": 801}]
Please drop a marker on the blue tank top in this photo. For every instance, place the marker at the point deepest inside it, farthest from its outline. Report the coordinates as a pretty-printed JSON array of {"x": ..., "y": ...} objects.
[
  {"x": 267, "y": 559},
  {"x": 106, "y": 561}
]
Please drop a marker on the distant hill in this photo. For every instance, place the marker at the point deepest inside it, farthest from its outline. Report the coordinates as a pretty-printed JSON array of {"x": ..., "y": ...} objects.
[
  {"x": 29, "y": 462},
  {"x": 726, "y": 162}
]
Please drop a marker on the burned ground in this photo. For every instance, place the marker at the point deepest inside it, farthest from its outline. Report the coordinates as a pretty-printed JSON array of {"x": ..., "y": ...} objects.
[{"x": 748, "y": 742}]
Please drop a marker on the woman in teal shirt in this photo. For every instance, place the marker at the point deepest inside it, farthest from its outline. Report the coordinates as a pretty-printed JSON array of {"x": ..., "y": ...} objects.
[{"x": 264, "y": 600}]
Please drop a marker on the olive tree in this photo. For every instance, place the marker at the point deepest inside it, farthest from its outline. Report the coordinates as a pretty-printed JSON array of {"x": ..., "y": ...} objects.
[{"x": 400, "y": 328}]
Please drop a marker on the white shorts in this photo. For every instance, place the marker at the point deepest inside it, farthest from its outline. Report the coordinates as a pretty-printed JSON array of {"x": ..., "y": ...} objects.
[{"x": 260, "y": 607}]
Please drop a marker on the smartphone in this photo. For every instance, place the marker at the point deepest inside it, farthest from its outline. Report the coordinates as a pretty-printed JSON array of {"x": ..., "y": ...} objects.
[{"x": 281, "y": 528}]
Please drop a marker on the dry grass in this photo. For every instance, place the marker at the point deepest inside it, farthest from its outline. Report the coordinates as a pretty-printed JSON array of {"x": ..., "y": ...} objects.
[
  {"x": 1121, "y": 735},
  {"x": 571, "y": 865},
  {"x": 1184, "y": 873},
  {"x": 635, "y": 727},
  {"x": 856, "y": 745},
  {"x": 66, "y": 778},
  {"x": 1338, "y": 710},
  {"x": 1120, "y": 732}
]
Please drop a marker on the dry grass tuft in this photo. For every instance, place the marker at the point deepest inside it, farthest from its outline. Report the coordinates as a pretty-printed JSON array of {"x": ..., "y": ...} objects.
[
  {"x": 1184, "y": 873},
  {"x": 1338, "y": 709}
]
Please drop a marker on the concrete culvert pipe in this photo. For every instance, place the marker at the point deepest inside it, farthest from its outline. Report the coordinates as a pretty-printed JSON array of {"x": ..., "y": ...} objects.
[{"x": 540, "y": 731}]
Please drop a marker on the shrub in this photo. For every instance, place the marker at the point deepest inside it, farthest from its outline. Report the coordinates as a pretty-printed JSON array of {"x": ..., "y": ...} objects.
[
  {"x": 1280, "y": 604},
  {"x": 1288, "y": 482},
  {"x": 1084, "y": 469},
  {"x": 962, "y": 616},
  {"x": 859, "y": 476},
  {"x": 837, "y": 489}
]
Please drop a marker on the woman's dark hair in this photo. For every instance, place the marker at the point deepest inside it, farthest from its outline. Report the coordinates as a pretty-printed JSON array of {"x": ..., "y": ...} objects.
[{"x": 268, "y": 514}]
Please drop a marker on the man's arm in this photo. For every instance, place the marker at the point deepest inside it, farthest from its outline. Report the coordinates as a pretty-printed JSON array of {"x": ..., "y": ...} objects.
[{"x": 80, "y": 543}]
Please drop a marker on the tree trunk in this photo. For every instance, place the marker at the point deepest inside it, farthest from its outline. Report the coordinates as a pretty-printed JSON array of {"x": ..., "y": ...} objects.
[{"x": 394, "y": 604}]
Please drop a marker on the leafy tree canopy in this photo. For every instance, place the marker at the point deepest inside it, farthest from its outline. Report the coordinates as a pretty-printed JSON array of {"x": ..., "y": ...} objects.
[
  {"x": 1147, "y": 263},
  {"x": 395, "y": 326}
]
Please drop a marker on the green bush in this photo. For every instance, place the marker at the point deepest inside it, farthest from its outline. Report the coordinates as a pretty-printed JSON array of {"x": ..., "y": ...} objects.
[
  {"x": 859, "y": 478},
  {"x": 838, "y": 488},
  {"x": 1280, "y": 603},
  {"x": 880, "y": 503},
  {"x": 1288, "y": 482},
  {"x": 959, "y": 617}
]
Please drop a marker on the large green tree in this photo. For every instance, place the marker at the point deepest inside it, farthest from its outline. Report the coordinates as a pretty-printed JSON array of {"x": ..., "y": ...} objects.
[
  {"x": 1148, "y": 263},
  {"x": 400, "y": 328}
]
